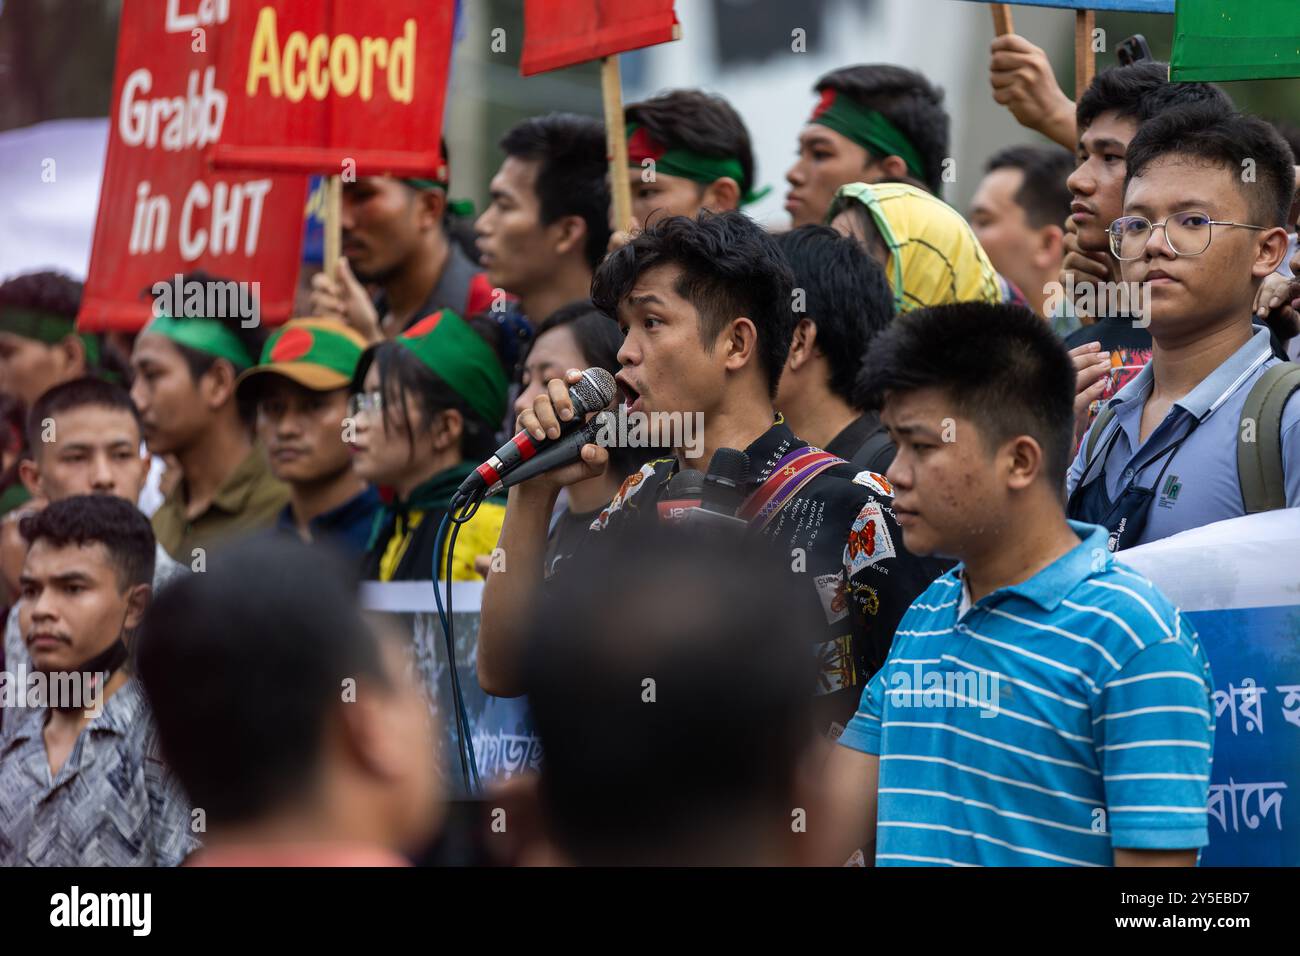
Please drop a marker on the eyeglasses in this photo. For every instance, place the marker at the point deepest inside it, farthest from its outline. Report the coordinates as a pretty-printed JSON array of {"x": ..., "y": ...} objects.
[
  {"x": 1188, "y": 234},
  {"x": 365, "y": 402}
]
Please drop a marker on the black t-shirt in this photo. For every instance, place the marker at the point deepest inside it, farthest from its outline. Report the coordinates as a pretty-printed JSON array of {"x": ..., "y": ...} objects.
[
  {"x": 565, "y": 536},
  {"x": 843, "y": 540}
]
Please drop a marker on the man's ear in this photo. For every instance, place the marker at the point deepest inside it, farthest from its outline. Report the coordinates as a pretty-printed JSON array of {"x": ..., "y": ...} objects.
[
  {"x": 217, "y": 384},
  {"x": 893, "y": 167},
  {"x": 721, "y": 195},
  {"x": 72, "y": 352},
  {"x": 1272, "y": 249},
  {"x": 30, "y": 474},
  {"x": 570, "y": 233},
  {"x": 1049, "y": 249},
  {"x": 433, "y": 207},
  {"x": 1024, "y": 458},
  {"x": 740, "y": 339},
  {"x": 803, "y": 345},
  {"x": 137, "y": 603}
]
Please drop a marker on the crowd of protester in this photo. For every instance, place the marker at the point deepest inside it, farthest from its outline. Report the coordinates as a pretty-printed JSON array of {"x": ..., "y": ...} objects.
[{"x": 955, "y": 425}]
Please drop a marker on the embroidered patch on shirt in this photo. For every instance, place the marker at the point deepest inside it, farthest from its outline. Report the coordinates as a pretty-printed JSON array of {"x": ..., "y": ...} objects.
[
  {"x": 830, "y": 588},
  {"x": 875, "y": 481},
  {"x": 869, "y": 541}
]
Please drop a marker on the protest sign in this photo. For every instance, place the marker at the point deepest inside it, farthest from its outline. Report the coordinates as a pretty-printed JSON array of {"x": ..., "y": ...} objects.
[
  {"x": 321, "y": 86},
  {"x": 162, "y": 210},
  {"x": 1228, "y": 582},
  {"x": 559, "y": 33}
]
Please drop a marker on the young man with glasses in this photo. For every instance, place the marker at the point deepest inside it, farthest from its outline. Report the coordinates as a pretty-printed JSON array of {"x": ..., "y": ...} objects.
[{"x": 1206, "y": 201}]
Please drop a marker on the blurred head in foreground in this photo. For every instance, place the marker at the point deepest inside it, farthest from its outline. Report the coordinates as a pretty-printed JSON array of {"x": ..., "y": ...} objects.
[
  {"x": 298, "y": 729},
  {"x": 681, "y": 734}
]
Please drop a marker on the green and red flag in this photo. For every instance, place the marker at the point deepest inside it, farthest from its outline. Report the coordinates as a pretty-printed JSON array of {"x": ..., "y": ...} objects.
[
  {"x": 1235, "y": 40},
  {"x": 560, "y": 33}
]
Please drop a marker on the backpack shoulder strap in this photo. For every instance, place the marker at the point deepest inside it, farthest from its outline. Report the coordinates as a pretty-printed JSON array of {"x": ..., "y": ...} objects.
[
  {"x": 1094, "y": 434},
  {"x": 1259, "y": 439},
  {"x": 873, "y": 453}
]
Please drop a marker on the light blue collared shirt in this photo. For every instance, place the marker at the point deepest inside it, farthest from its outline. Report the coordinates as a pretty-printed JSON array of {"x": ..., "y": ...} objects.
[{"x": 1200, "y": 486}]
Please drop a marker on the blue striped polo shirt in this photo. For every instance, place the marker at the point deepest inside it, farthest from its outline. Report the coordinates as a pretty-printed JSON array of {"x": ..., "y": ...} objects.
[{"x": 1047, "y": 723}]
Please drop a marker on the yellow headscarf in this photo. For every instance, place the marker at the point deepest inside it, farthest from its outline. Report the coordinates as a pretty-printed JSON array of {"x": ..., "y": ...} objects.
[{"x": 934, "y": 257}]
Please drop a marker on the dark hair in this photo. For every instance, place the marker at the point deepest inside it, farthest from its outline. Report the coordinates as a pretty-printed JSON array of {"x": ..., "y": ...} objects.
[
  {"x": 243, "y": 666},
  {"x": 599, "y": 340},
  {"x": 78, "y": 393},
  {"x": 701, "y": 122},
  {"x": 59, "y": 294},
  {"x": 1043, "y": 194},
  {"x": 1001, "y": 365},
  {"x": 98, "y": 519},
  {"x": 905, "y": 98},
  {"x": 1140, "y": 91},
  {"x": 730, "y": 267},
  {"x": 696, "y": 773},
  {"x": 846, "y": 295},
  {"x": 403, "y": 377},
  {"x": 1227, "y": 140},
  {"x": 1289, "y": 132},
  {"x": 47, "y": 291},
  {"x": 572, "y": 171}
]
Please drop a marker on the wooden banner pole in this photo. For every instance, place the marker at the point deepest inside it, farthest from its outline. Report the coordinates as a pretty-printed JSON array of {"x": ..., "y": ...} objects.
[
  {"x": 1085, "y": 62},
  {"x": 1002, "y": 22},
  {"x": 333, "y": 230},
  {"x": 611, "y": 87}
]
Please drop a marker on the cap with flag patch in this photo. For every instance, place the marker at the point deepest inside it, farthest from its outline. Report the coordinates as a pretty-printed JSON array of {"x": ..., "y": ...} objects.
[
  {"x": 320, "y": 354},
  {"x": 449, "y": 346}
]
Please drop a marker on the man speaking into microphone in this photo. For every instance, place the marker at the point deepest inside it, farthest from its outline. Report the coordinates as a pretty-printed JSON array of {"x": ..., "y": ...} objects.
[{"x": 705, "y": 309}]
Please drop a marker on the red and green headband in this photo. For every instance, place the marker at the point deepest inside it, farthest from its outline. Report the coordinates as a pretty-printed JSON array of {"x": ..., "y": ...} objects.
[
  {"x": 868, "y": 128},
  {"x": 687, "y": 164},
  {"x": 446, "y": 344},
  {"x": 442, "y": 180}
]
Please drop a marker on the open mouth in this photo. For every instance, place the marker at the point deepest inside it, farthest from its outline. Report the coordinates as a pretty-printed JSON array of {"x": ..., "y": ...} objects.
[{"x": 631, "y": 397}]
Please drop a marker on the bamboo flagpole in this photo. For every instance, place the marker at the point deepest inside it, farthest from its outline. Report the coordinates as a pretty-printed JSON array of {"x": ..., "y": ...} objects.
[
  {"x": 611, "y": 87},
  {"x": 1085, "y": 62},
  {"x": 333, "y": 213},
  {"x": 1002, "y": 22}
]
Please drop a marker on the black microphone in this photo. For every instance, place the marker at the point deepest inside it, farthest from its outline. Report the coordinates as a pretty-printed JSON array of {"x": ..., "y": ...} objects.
[
  {"x": 683, "y": 493},
  {"x": 557, "y": 454},
  {"x": 724, "y": 489},
  {"x": 591, "y": 394}
]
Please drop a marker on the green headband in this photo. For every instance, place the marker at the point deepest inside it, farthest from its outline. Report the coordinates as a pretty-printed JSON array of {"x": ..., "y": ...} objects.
[
  {"x": 38, "y": 324},
  {"x": 687, "y": 164},
  {"x": 50, "y": 328},
  {"x": 448, "y": 346},
  {"x": 461, "y": 207},
  {"x": 203, "y": 335},
  {"x": 868, "y": 128}
]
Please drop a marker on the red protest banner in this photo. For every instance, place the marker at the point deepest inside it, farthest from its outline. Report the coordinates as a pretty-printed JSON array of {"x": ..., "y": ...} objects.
[
  {"x": 564, "y": 32},
  {"x": 336, "y": 87},
  {"x": 162, "y": 211}
]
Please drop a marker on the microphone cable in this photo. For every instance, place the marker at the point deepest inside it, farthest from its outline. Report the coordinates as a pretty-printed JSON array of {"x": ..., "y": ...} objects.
[{"x": 461, "y": 510}]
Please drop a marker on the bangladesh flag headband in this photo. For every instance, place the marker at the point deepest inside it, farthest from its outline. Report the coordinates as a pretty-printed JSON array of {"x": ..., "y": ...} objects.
[
  {"x": 203, "y": 335},
  {"x": 868, "y": 128},
  {"x": 447, "y": 345},
  {"x": 442, "y": 180},
  {"x": 687, "y": 164}
]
